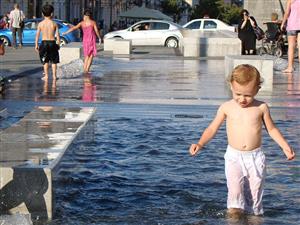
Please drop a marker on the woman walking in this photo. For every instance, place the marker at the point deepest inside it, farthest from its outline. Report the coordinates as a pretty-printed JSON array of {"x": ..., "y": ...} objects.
[
  {"x": 90, "y": 31},
  {"x": 292, "y": 16}
]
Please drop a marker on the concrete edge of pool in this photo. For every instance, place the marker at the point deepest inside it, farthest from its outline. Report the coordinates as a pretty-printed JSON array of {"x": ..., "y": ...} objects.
[{"x": 30, "y": 151}]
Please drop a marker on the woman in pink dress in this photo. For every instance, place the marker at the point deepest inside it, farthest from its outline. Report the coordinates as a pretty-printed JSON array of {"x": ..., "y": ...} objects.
[
  {"x": 292, "y": 16},
  {"x": 90, "y": 31}
]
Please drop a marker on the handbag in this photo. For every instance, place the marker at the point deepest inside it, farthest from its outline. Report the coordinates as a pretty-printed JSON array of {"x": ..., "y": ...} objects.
[
  {"x": 2, "y": 49},
  {"x": 259, "y": 33},
  {"x": 21, "y": 24}
]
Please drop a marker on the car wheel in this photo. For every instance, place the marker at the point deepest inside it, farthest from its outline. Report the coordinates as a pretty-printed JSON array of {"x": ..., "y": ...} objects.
[
  {"x": 277, "y": 52},
  {"x": 5, "y": 41},
  {"x": 118, "y": 37},
  {"x": 63, "y": 41},
  {"x": 261, "y": 51},
  {"x": 171, "y": 42}
]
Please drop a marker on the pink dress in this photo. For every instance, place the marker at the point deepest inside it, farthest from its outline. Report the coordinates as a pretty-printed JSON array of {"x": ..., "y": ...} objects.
[
  {"x": 294, "y": 17},
  {"x": 89, "y": 41}
]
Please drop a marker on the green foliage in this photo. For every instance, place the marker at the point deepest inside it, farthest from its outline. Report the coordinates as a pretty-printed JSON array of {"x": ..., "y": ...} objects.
[
  {"x": 229, "y": 13},
  {"x": 174, "y": 8},
  {"x": 216, "y": 9},
  {"x": 206, "y": 7}
]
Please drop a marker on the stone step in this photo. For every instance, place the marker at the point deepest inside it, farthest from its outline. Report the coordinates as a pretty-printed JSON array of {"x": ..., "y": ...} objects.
[{"x": 30, "y": 151}]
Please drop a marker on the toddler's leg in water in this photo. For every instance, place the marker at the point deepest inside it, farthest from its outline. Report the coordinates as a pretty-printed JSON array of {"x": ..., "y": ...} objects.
[
  {"x": 256, "y": 182},
  {"x": 235, "y": 184}
]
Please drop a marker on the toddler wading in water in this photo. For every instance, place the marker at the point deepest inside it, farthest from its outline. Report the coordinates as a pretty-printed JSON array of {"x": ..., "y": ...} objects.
[
  {"x": 90, "y": 31},
  {"x": 244, "y": 158}
]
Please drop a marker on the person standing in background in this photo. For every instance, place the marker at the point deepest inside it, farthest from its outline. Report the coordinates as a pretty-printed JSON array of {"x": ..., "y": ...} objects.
[
  {"x": 292, "y": 17},
  {"x": 16, "y": 16},
  {"x": 246, "y": 33}
]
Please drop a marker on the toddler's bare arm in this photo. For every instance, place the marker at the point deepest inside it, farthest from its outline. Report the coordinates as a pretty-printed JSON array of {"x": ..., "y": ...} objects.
[
  {"x": 209, "y": 132},
  {"x": 276, "y": 135}
]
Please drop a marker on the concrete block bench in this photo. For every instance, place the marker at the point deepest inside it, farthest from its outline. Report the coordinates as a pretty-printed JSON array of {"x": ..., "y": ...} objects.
[
  {"x": 118, "y": 46},
  {"x": 109, "y": 44},
  {"x": 210, "y": 43},
  {"x": 70, "y": 52},
  {"x": 263, "y": 64},
  {"x": 30, "y": 153}
]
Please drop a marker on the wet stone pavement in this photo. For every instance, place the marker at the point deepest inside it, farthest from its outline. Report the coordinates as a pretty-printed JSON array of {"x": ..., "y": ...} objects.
[
  {"x": 151, "y": 81},
  {"x": 152, "y": 91}
]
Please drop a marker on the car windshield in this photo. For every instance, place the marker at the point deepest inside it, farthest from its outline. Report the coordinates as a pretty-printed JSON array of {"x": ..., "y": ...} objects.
[{"x": 194, "y": 25}]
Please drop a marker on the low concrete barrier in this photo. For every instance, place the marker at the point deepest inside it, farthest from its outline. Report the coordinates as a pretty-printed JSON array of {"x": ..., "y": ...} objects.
[
  {"x": 263, "y": 64},
  {"x": 109, "y": 44},
  {"x": 122, "y": 47},
  {"x": 210, "y": 43},
  {"x": 191, "y": 47},
  {"x": 30, "y": 152},
  {"x": 118, "y": 46},
  {"x": 70, "y": 52}
]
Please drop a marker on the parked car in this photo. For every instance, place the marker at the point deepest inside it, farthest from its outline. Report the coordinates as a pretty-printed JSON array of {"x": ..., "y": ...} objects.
[
  {"x": 150, "y": 32},
  {"x": 208, "y": 24},
  {"x": 30, "y": 29}
]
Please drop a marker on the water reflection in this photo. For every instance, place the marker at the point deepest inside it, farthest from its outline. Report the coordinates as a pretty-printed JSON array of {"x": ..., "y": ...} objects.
[
  {"x": 49, "y": 91},
  {"x": 245, "y": 220},
  {"x": 89, "y": 89}
]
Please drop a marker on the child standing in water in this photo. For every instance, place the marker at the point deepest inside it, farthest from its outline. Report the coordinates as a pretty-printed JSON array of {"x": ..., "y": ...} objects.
[
  {"x": 90, "y": 31},
  {"x": 244, "y": 159},
  {"x": 48, "y": 49}
]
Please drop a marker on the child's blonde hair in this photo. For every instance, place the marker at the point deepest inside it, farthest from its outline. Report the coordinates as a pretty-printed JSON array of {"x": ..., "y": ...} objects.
[
  {"x": 245, "y": 73},
  {"x": 274, "y": 16}
]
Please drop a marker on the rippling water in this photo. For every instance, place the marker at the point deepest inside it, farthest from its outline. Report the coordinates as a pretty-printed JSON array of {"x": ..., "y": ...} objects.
[{"x": 137, "y": 170}]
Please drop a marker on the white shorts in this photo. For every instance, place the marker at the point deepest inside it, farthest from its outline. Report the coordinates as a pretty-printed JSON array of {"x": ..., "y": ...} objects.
[{"x": 245, "y": 173}]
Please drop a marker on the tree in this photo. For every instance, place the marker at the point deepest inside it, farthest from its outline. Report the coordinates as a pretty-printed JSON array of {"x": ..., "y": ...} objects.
[
  {"x": 174, "y": 8},
  {"x": 206, "y": 7},
  {"x": 228, "y": 13}
]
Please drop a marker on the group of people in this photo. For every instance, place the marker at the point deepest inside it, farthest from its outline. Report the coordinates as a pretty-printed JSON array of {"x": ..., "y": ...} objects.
[
  {"x": 48, "y": 48},
  {"x": 48, "y": 29},
  {"x": 290, "y": 23}
]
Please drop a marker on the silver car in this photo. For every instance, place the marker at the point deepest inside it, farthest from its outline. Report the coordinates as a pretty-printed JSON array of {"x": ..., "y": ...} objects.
[{"x": 150, "y": 32}]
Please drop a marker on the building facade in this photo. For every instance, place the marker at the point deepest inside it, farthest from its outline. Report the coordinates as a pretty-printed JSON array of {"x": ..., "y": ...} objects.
[{"x": 262, "y": 9}]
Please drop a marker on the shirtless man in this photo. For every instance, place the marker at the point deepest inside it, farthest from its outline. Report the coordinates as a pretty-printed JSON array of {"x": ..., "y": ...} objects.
[
  {"x": 244, "y": 159},
  {"x": 48, "y": 49}
]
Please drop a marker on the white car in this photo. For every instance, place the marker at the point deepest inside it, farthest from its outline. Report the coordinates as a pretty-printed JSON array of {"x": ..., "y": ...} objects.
[
  {"x": 208, "y": 24},
  {"x": 150, "y": 32}
]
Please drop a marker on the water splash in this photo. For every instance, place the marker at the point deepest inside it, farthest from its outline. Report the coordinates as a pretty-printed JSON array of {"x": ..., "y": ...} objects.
[
  {"x": 70, "y": 70},
  {"x": 279, "y": 63}
]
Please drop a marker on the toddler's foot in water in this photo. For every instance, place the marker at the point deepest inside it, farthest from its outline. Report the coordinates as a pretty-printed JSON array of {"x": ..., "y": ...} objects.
[{"x": 235, "y": 215}]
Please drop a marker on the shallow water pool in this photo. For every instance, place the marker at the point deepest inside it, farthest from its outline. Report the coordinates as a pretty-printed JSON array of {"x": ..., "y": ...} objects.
[{"x": 136, "y": 169}]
